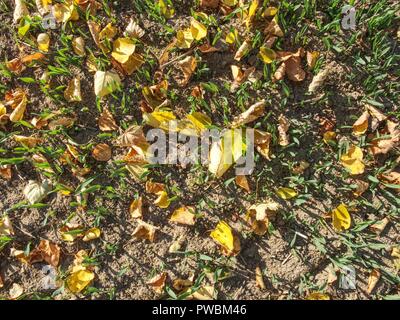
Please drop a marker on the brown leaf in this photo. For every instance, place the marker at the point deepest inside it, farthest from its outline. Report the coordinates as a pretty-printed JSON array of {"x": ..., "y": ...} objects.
[
  {"x": 242, "y": 182},
  {"x": 102, "y": 152},
  {"x": 106, "y": 121},
  {"x": 283, "y": 128},
  {"x": 362, "y": 186},
  {"x": 5, "y": 171},
  {"x": 158, "y": 282},
  {"x": 188, "y": 66},
  {"x": 294, "y": 70},
  {"x": 373, "y": 279},
  {"x": 46, "y": 251},
  {"x": 361, "y": 125},
  {"x": 209, "y": 4},
  {"x": 136, "y": 208},
  {"x": 380, "y": 225},
  {"x": 384, "y": 145},
  {"x": 252, "y": 113},
  {"x": 259, "y": 279},
  {"x": 144, "y": 231}
]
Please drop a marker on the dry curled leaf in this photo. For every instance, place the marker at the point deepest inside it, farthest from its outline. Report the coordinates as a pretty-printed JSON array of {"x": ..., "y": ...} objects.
[
  {"x": 144, "y": 231},
  {"x": 158, "y": 282},
  {"x": 73, "y": 91},
  {"x": 184, "y": 215},
  {"x": 259, "y": 279},
  {"x": 319, "y": 79},
  {"x": 102, "y": 152},
  {"x": 35, "y": 191},
  {"x": 133, "y": 30},
  {"x": 254, "y": 112},
  {"x": 243, "y": 50},
  {"x": 46, "y": 251},
  {"x": 106, "y": 121},
  {"x": 283, "y": 129},
  {"x": 5, "y": 171},
  {"x": 188, "y": 66},
  {"x": 373, "y": 279},
  {"x": 361, "y": 125},
  {"x": 78, "y": 45},
  {"x": 20, "y": 10},
  {"x": 136, "y": 208},
  {"x": 242, "y": 182}
]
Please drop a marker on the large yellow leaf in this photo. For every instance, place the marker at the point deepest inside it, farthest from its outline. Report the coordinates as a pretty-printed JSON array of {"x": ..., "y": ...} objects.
[
  {"x": 224, "y": 236},
  {"x": 352, "y": 160},
  {"x": 286, "y": 193},
  {"x": 123, "y": 48},
  {"x": 198, "y": 30},
  {"x": 79, "y": 280},
  {"x": 341, "y": 219},
  {"x": 184, "y": 39},
  {"x": 105, "y": 82}
]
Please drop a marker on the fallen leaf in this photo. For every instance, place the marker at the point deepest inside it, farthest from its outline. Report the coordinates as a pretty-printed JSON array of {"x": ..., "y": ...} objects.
[
  {"x": 20, "y": 11},
  {"x": 283, "y": 128},
  {"x": 28, "y": 142},
  {"x": 64, "y": 12},
  {"x": 144, "y": 231},
  {"x": 203, "y": 293},
  {"x": 319, "y": 79},
  {"x": 188, "y": 66},
  {"x": 133, "y": 30},
  {"x": 136, "y": 208},
  {"x": 267, "y": 55},
  {"x": 79, "y": 280},
  {"x": 123, "y": 48},
  {"x": 396, "y": 257},
  {"x": 209, "y": 3},
  {"x": 35, "y": 191},
  {"x": 167, "y": 10},
  {"x": 361, "y": 125},
  {"x": 380, "y": 225},
  {"x": 177, "y": 244},
  {"x": 362, "y": 186},
  {"x": 198, "y": 30},
  {"x": 312, "y": 57},
  {"x": 254, "y": 112},
  {"x": 242, "y": 182},
  {"x": 105, "y": 83},
  {"x": 6, "y": 228},
  {"x": 184, "y": 215},
  {"x": 158, "y": 282},
  {"x": 286, "y": 193},
  {"x": 163, "y": 200},
  {"x": 43, "y": 41},
  {"x": 224, "y": 236},
  {"x": 341, "y": 218},
  {"x": 391, "y": 134},
  {"x": 352, "y": 160},
  {"x": 373, "y": 279},
  {"x": 15, "y": 291},
  {"x": 106, "y": 121},
  {"x": 91, "y": 234},
  {"x": 259, "y": 279},
  {"x": 262, "y": 142},
  {"x": 5, "y": 172},
  {"x": 318, "y": 296},
  {"x": 240, "y": 76},
  {"x": 78, "y": 45},
  {"x": 329, "y": 137},
  {"x": 273, "y": 28},
  {"x": 102, "y": 152},
  {"x": 46, "y": 251},
  {"x": 73, "y": 91},
  {"x": 184, "y": 39},
  {"x": 243, "y": 50}
]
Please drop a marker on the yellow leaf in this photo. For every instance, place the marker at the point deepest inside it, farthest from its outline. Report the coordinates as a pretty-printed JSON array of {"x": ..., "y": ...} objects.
[
  {"x": 20, "y": 107},
  {"x": 252, "y": 11},
  {"x": 270, "y": 12},
  {"x": 198, "y": 30},
  {"x": 73, "y": 91},
  {"x": 352, "y": 160},
  {"x": 159, "y": 119},
  {"x": 123, "y": 48},
  {"x": 79, "y": 280},
  {"x": 43, "y": 41},
  {"x": 199, "y": 120},
  {"x": 341, "y": 219},
  {"x": 232, "y": 37},
  {"x": 318, "y": 296},
  {"x": 267, "y": 55},
  {"x": 138, "y": 171},
  {"x": 91, "y": 234},
  {"x": 224, "y": 236},
  {"x": 242, "y": 182},
  {"x": 361, "y": 125},
  {"x": 6, "y": 228},
  {"x": 329, "y": 137},
  {"x": 162, "y": 201},
  {"x": 134, "y": 62},
  {"x": 108, "y": 32},
  {"x": 184, "y": 39},
  {"x": 64, "y": 12},
  {"x": 105, "y": 83},
  {"x": 230, "y": 3},
  {"x": 166, "y": 10},
  {"x": 184, "y": 215},
  {"x": 286, "y": 193},
  {"x": 78, "y": 45}
]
